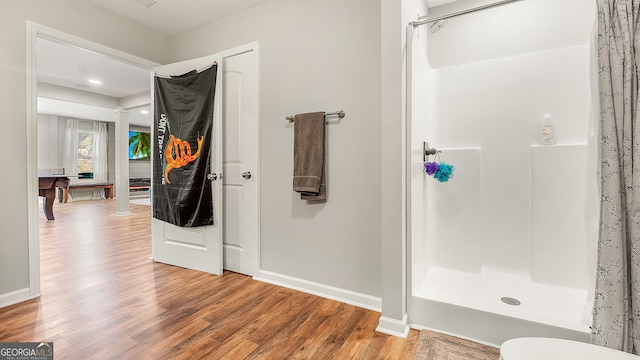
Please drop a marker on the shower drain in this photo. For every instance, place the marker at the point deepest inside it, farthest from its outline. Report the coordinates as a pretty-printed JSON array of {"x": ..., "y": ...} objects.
[{"x": 510, "y": 301}]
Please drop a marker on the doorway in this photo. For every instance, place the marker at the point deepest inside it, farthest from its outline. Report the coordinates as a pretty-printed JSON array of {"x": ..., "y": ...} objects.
[
  {"x": 243, "y": 234},
  {"x": 35, "y": 32},
  {"x": 232, "y": 241}
]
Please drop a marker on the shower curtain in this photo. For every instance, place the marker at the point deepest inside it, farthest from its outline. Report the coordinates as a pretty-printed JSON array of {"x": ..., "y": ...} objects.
[
  {"x": 616, "y": 312},
  {"x": 99, "y": 158},
  {"x": 70, "y": 159}
]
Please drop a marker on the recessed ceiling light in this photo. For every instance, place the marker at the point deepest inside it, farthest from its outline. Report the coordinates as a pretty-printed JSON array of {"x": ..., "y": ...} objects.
[
  {"x": 95, "y": 81},
  {"x": 144, "y": 112}
]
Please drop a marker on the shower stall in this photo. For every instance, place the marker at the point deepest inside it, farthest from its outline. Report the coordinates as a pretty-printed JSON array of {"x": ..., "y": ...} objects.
[{"x": 506, "y": 247}]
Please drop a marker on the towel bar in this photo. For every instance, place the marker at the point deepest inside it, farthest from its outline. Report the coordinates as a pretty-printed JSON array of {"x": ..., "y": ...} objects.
[{"x": 339, "y": 113}]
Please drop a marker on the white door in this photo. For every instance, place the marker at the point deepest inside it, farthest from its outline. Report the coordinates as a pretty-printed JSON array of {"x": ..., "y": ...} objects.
[
  {"x": 198, "y": 248},
  {"x": 240, "y": 159}
]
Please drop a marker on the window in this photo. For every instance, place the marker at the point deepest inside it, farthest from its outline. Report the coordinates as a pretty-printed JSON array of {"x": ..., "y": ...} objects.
[{"x": 85, "y": 151}]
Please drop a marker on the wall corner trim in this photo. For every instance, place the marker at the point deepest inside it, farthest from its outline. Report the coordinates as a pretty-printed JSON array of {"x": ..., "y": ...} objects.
[
  {"x": 394, "y": 327},
  {"x": 15, "y": 297},
  {"x": 346, "y": 296}
]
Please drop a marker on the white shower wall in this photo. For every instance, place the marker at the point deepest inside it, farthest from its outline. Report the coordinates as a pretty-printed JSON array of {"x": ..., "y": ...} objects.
[
  {"x": 510, "y": 198},
  {"x": 511, "y": 222}
]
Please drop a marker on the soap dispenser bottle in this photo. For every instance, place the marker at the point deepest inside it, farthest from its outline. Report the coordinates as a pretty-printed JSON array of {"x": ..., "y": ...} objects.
[{"x": 547, "y": 131}]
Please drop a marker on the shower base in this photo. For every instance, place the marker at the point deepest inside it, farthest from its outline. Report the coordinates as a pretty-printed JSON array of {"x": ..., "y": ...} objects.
[{"x": 513, "y": 303}]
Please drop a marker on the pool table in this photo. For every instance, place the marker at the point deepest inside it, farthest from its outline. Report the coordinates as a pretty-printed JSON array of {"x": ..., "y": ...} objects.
[{"x": 47, "y": 185}]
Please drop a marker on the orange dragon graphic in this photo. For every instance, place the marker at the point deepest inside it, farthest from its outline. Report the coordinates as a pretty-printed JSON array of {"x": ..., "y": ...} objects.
[{"x": 178, "y": 154}]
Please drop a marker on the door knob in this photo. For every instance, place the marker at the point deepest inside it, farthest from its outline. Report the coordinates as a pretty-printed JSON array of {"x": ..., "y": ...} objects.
[
  {"x": 246, "y": 175},
  {"x": 213, "y": 176}
]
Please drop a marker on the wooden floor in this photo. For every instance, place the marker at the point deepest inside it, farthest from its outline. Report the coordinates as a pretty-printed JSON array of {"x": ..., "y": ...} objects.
[{"x": 103, "y": 298}]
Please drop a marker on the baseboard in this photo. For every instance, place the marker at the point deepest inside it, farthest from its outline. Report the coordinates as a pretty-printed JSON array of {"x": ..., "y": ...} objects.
[
  {"x": 14, "y": 297},
  {"x": 394, "y": 327},
  {"x": 322, "y": 290}
]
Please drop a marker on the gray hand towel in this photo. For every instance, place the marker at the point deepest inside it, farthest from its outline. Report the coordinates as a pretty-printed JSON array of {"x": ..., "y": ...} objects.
[{"x": 308, "y": 155}]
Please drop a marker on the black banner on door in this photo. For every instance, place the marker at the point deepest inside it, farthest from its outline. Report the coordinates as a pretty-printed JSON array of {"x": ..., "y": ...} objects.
[{"x": 183, "y": 130}]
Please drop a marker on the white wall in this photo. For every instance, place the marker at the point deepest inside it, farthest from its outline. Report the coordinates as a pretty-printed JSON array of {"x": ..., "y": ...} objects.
[
  {"x": 70, "y": 16},
  {"x": 50, "y": 140},
  {"x": 314, "y": 56},
  {"x": 139, "y": 169},
  {"x": 392, "y": 158},
  {"x": 421, "y": 111},
  {"x": 50, "y": 91}
]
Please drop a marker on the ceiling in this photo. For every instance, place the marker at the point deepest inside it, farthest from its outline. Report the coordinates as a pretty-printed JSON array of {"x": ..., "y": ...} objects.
[
  {"x": 434, "y": 3},
  {"x": 69, "y": 67},
  {"x": 171, "y": 17},
  {"x": 73, "y": 67}
]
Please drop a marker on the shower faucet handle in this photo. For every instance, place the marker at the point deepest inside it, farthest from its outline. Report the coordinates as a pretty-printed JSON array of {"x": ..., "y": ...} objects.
[{"x": 428, "y": 151}]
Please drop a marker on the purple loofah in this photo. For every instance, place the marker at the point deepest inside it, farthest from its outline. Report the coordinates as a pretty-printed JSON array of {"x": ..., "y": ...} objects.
[{"x": 431, "y": 167}]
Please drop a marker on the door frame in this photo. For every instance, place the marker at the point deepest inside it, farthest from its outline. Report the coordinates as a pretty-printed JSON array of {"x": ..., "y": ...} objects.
[
  {"x": 256, "y": 243},
  {"x": 34, "y": 31}
]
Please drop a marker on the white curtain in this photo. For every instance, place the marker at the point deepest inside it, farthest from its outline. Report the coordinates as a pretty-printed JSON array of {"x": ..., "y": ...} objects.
[
  {"x": 592, "y": 196},
  {"x": 616, "y": 312},
  {"x": 99, "y": 157},
  {"x": 71, "y": 150}
]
